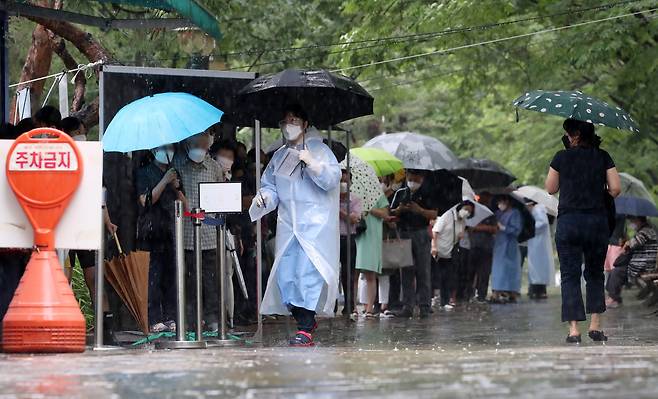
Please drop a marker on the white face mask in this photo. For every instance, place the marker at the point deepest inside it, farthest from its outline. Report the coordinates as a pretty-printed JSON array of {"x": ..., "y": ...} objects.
[
  {"x": 633, "y": 226},
  {"x": 291, "y": 132},
  {"x": 197, "y": 154},
  {"x": 163, "y": 156},
  {"x": 343, "y": 187},
  {"x": 79, "y": 137},
  {"x": 502, "y": 207},
  {"x": 464, "y": 214},
  {"x": 413, "y": 186},
  {"x": 225, "y": 163}
]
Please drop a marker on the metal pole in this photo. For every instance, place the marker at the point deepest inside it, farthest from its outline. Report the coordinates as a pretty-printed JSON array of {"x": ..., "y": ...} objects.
[
  {"x": 181, "y": 328},
  {"x": 258, "y": 337},
  {"x": 222, "y": 339},
  {"x": 98, "y": 281},
  {"x": 348, "y": 267},
  {"x": 181, "y": 322},
  {"x": 196, "y": 222}
]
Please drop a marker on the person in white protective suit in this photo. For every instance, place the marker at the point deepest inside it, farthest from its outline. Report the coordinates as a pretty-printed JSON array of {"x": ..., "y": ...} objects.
[
  {"x": 541, "y": 263},
  {"x": 304, "y": 277}
]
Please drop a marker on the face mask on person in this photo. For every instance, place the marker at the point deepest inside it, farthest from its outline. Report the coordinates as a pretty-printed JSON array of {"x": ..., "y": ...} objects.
[
  {"x": 163, "y": 156},
  {"x": 343, "y": 187},
  {"x": 291, "y": 131},
  {"x": 633, "y": 226},
  {"x": 225, "y": 163},
  {"x": 79, "y": 137},
  {"x": 197, "y": 154},
  {"x": 413, "y": 186},
  {"x": 464, "y": 214},
  {"x": 502, "y": 207}
]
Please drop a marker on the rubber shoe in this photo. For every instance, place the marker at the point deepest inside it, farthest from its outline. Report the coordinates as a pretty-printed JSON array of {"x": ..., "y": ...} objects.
[{"x": 302, "y": 339}]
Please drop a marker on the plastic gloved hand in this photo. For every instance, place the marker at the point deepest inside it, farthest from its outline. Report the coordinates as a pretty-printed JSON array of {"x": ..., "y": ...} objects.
[
  {"x": 262, "y": 198},
  {"x": 306, "y": 157}
]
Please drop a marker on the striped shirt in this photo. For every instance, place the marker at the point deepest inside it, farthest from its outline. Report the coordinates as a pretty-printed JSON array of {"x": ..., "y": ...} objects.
[
  {"x": 644, "y": 247},
  {"x": 191, "y": 174}
]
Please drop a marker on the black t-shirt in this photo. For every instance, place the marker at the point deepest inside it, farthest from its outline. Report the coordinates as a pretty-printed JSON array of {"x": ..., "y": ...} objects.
[
  {"x": 148, "y": 177},
  {"x": 412, "y": 221},
  {"x": 582, "y": 179}
]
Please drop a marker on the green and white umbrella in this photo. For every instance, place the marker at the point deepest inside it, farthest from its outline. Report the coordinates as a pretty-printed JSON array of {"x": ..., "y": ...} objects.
[{"x": 576, "y": 105}]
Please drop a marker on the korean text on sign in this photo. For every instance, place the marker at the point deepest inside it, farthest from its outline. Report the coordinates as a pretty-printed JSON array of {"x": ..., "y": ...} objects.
[{"x": 43, "y": 156}]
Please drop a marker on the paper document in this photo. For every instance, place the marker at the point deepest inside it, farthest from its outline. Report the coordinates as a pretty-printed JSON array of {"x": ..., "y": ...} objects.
[{"x": 290, "y": 166}]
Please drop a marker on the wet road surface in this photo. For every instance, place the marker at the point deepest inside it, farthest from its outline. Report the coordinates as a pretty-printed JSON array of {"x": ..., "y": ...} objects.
[{"x": 475, "y": 351}]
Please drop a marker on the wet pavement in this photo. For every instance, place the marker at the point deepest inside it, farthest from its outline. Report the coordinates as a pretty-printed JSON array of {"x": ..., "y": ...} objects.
[{"x": 474, "y": 351}]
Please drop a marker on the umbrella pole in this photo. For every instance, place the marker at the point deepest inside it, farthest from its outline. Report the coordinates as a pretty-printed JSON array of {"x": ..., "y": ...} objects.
[
  {"x": 348, "y": 266},
  {"x": 98, "y": 301},
  {"x": 258, "y": 336},
  {"x": 181, "y": 328}
]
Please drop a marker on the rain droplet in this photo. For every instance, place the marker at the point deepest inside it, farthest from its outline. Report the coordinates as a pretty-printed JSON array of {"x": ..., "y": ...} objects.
[
  {"x": 558, "y": 105},
  {"x": 601, "y": 114},
  {"x": 589, "y": 111}
]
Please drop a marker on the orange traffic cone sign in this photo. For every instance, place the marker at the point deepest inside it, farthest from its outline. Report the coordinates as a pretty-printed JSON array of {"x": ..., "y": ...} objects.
[{"x": 44, "y": 168}]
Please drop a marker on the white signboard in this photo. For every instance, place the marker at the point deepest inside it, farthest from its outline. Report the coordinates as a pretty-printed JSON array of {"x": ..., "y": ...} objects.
[
  {"x": 80, "y": 225},
  {"x": 220, "y": 197}
]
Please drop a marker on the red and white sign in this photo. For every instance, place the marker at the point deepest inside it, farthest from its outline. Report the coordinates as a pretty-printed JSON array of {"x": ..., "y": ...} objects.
[{"x": 43, "y": 156}]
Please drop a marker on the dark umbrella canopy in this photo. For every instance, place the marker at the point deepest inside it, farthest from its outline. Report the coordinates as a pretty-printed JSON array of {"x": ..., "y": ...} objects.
[
  {"x": 634, "y": 206},
  {"x": 483, "y": 173},
  {"x": 328, "y": 98}
]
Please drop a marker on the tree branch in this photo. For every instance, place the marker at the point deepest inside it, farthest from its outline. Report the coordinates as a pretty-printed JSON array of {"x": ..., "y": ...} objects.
[{"x": 59, "y": 47}]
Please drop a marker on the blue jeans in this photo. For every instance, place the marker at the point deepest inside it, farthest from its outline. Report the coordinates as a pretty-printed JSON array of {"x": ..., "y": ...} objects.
[{"x": 582, "y": 236}]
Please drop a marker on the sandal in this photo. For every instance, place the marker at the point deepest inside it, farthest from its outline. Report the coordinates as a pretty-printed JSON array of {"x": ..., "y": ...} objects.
[
  {"x": 369, "y": 315},
  {"x": 302, "y": 339},
  {"x": 597, "y": 336},
  {"x": 573, "y": 339}
]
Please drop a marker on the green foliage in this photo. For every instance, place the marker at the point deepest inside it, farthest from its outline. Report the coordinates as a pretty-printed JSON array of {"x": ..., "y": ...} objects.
[
  {"x": 462, "y": 97},
  {"x": 81, "y": 293}
]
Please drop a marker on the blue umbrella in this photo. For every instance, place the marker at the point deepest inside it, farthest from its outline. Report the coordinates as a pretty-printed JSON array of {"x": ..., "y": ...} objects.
[
  {"x": 634, "y": 206},
  {"x": 157, "y": 120}
]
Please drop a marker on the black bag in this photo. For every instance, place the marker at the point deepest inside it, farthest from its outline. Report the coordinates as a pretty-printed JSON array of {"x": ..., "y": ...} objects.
[
  {"x": 152, "y": 222},
  {"x": 528, "y": 228},
  {"x": 623, "y": 260},
  {"x": 361, "y": 227}
]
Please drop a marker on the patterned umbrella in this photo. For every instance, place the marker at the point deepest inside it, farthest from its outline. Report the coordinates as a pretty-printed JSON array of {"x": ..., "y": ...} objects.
[
  {"x": 416, "y": 151},
  {"x": 381, "y": 161},
  {"x": 365, "y": 183},
  {"x": 576, "y": 105}
]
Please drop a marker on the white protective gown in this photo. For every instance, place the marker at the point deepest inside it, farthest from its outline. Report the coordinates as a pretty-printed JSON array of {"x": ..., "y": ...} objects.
[
  {"x": 541, "y": 264},
  {"x": 307, "y": 232}
]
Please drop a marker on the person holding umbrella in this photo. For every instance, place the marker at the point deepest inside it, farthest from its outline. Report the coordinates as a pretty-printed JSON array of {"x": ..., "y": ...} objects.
[
  {"x": 584, "y": 174},
  {"x": 303, "y": 181},
  {"x": 158, "y": 186}
]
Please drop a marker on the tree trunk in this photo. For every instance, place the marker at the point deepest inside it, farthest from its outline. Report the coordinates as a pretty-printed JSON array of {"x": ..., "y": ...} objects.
[
  {"x": 37, "y": 64},
  {"x": 59, "y": 46}
]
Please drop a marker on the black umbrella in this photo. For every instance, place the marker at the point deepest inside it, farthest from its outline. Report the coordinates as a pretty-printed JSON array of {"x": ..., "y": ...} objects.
[
  {"x": 483, "y": 173},
  {"x": 446, "y": 189},
  {"x": 328, "y": 98}
]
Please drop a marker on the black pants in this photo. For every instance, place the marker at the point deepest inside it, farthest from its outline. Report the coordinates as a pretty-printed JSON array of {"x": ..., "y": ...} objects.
[
  {"x": 480, "y": 259},
  {"x": 465, "y": 275},
  {"x": 343, "y": 269},
  {"x": 420, "y": 272},
  {"x": 12, "y": 267},
  {"x": 210, "y": 287},
  {"x": 616, "y": 281},
  {"x": 305, "y": 318},
  {"x": 162, "y": 286},
  {"x": 582, "y": 236},
  {"x": 447, "y": 271}
]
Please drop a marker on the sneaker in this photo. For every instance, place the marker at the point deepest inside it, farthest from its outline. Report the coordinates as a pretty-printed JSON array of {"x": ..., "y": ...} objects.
[
  {"x": 171, "y": 325},
  {"x": 159, "y": 328},
  {"x": 448, "y": 307},
  {"x": 301, "y": 339},
  {"x": 387, "y": 314}
]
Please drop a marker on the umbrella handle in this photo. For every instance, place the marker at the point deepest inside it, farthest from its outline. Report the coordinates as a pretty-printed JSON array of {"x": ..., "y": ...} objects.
[{"x": 116, "y": 240}]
